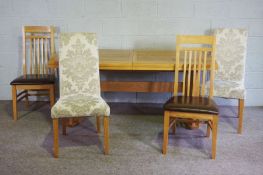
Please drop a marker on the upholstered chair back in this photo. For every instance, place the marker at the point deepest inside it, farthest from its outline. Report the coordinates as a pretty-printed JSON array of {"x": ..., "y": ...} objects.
[
  {"x": 79, "y": 64},
  {"x": 231, "y": 46}
]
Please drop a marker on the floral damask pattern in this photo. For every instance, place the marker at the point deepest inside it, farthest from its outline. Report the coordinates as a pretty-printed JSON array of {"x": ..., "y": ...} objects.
[
  {"x": 79, "y": 105},
  {"x": 230, "y": 54},
  {"x": 79, "y": 77},
  {"x": 231, "y": 47},
  {"x": 227, "y": 89}
]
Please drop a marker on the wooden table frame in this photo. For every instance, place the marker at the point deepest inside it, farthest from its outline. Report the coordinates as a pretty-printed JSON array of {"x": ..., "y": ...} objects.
[{"x": 136, "y": 60}]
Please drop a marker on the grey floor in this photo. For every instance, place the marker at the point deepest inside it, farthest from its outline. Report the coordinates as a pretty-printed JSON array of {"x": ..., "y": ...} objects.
[{"x": 135, "y": 144}]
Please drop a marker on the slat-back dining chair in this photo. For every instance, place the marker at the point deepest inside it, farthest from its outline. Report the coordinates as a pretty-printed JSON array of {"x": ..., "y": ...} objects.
[
  {"x": 195, "y": 64},
  {"x": 79, "y": 84},
  {"x": 231, "y": 48},
  {"x": 38, "y": 48}
]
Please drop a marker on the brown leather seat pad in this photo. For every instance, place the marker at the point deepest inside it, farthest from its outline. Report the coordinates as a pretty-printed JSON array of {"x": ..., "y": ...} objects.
[
  {"x": 33, "y": 79},
  {"x": 191, "y": 104}
]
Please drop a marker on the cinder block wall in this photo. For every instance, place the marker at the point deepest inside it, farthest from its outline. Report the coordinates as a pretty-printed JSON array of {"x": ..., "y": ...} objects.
[{"x": 133, "y": 24}]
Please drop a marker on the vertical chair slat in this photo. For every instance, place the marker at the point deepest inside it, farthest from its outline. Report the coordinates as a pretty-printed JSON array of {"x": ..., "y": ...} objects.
[
  {"x": 31, "y": 52},
  {"x": 204, "y": 74},
  {"x": 176, "y": 72},
  {"x": 194, "y": 89},
  {"x": 42, "y": 56},
  {"x": 49, "y": 53},
  {"x": 189, "y": 73},
  {"x": 212, "y": 73},
  {"x": 34, "y": 56},
  {"x": 184, "y": 72},
  {"x": 46, "y": 59},
  {"x": 52, "y": 42},
  {"x": 199, "y": 73},
  {"x": 24, "y": 52},
  {"x": 38, "y": 56}
]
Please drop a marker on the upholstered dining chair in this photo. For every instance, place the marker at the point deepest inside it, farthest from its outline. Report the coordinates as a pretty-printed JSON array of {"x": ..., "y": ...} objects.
[
  {"x": 231, "y": 46},
  {"x": 79, "y": 84},
  {"x": 38, "y": 49},
  {"x": 195, "y": 64}
]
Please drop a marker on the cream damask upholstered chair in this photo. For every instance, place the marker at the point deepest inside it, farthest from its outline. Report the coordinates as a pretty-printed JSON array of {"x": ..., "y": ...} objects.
[
  {"x": 79, "y": 84},
  {"x": 231, "y": 45}
]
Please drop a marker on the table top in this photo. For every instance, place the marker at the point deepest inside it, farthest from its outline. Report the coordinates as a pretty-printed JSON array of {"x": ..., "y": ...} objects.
[
  {"x": 136, "y": 60},
  {"x": 141, "y": 60}
]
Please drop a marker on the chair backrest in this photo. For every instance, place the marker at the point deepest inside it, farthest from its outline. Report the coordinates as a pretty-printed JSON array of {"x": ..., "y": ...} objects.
[
  {"x": 38, "y": 47},
  {"x": 196, "y": 61},
  {"x": 231, "y": 49},
  {"x": 79, "y": 64}
]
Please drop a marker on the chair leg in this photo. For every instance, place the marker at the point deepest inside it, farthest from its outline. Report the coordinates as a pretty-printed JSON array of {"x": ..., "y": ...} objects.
[
  {"x": 64, "y": 126},
  {"x": 174, "y": 127},
  {"x": 55, "y": 131},
  {"x": 27, "y": 100},
  {"x": 208, "y": 130},
  {"x": 52, "y": 95},
  {"x": 106, "y": 134},
  {"x": 165, "y": 130},
  {"x": 14, "y": 101},
  {"x": 214, "y": 136},
  {"x": 98, "y": 124},
  {"x": 240, "y": 115}
]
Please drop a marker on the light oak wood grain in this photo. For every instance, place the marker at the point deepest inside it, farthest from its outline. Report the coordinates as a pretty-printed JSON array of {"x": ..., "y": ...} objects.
[
  {"x": 38, "y": 47},
  {"x": 195, "y": 64}
]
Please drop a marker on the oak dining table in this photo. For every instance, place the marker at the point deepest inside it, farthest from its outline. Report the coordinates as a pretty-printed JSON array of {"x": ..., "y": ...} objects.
[{"x": 134, "y": 61}]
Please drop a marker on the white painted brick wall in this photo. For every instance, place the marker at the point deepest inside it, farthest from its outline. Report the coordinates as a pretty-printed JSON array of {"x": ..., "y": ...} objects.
[
  {"x": 175, "y": 8},
  {"x": 129, "y": 24},
  {"x": 139, "y": 8}
]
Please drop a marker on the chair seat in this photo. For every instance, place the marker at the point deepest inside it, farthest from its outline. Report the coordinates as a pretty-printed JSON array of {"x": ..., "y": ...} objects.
[
  {"x": 191, "y": 104},
  {"x": 80, "y": 105},
  {"x": 31, "y": 79},
  {"x": 228, "y": 89}
]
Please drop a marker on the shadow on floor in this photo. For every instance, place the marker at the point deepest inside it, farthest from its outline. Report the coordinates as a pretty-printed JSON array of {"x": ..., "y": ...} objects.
[{"x": 84, "y": 134}]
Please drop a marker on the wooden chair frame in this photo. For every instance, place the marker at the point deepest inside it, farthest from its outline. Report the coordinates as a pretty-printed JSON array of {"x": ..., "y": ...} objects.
[
  {"x": 193, "y": 73},
  {"x": 38, "y": 64},
  {"x": 240, "y": 115},
  {"x": 64, "y": 132}
]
